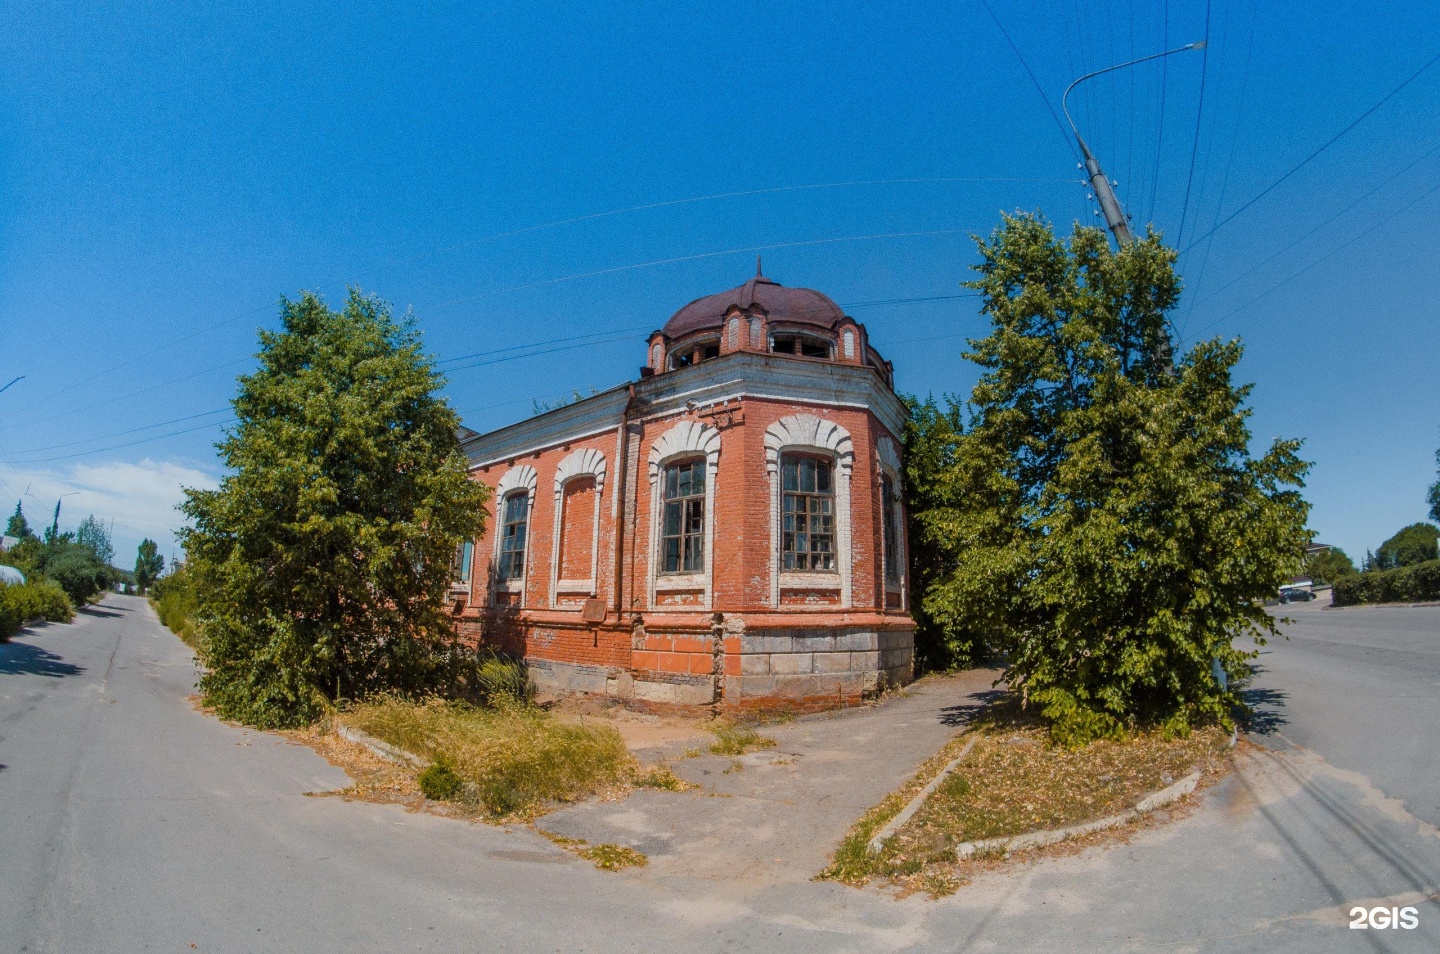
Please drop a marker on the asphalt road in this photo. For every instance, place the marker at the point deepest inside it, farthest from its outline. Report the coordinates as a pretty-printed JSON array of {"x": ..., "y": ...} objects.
[{"x": 131, "y": 822}]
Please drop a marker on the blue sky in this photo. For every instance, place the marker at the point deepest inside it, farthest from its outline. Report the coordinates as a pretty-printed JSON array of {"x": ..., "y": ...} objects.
[{"x": 168, "y": 171}]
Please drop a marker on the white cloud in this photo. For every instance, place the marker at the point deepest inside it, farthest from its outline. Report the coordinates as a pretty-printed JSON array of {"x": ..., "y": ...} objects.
[{"x": 139, "y": 497}]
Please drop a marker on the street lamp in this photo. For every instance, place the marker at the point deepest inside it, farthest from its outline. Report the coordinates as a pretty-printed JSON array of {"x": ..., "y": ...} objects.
[{"x": 1109, "y": 205}]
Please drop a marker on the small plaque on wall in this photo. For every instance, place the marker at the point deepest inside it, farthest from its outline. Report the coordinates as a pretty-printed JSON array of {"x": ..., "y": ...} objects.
[{"x": 593, "y": 611}]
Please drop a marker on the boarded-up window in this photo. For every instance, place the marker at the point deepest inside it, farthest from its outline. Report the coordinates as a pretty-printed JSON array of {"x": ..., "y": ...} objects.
[
  {"x": 577, "y": 529},
  {"x": 849, "y": 343},
  {"x": 734, "y": 333}
]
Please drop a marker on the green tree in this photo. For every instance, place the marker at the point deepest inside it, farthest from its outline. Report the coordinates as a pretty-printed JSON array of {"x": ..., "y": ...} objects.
[
  {"x": 322, "y": 561},
  {"x": 17, "y": 526},
  {"x": 1105, "y": 522},
  {"x": 149, "y": 564},
  {"x": 930, "y": 439},
  {"x": 1432, "y": 497},
  {"x": 1330, "y": 565},
  {"x": 1416, "y": 543},
  {"x": 92, "y": 534}
]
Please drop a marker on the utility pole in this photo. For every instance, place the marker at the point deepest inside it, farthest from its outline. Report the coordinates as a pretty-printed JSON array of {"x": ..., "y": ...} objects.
[
  {"x": 1161, "y": 358},
  {"x": 1104, "y": 192}
]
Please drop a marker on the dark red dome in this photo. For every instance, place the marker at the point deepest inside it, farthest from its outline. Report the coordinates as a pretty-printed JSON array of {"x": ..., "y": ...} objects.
[{"x": 803, "y": 306}]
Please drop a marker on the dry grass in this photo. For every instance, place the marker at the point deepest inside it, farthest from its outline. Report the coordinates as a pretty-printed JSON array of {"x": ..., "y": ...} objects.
[
  {"x": 1013, "y": 781},
  {"x": 609, "y": 857},
  {"x": 733, "y": 738},
  {"x": 512, "y": 759}
]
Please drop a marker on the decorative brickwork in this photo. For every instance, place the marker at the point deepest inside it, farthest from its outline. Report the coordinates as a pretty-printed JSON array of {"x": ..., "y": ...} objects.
[{"x": 673, "y": 565}]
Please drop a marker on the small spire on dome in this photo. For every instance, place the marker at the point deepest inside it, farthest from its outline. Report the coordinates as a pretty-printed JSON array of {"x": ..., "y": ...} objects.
[{"x": 758, "y": 273}]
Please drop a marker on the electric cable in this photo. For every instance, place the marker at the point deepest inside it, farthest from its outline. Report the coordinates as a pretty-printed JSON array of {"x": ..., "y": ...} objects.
[
  {"x": 1307, "y": 160},
  {"x": 1199, "y": 113}
]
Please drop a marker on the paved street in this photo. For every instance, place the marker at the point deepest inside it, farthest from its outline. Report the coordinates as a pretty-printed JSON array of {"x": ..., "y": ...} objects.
[{"x": 132, "y": 822}]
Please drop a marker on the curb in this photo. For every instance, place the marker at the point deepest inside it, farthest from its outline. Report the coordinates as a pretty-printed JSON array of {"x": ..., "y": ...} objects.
[
  {"x": 908, "y": 812},
  {"x": 383, "y": 749},
  {"x": 1040, "y": 839}
]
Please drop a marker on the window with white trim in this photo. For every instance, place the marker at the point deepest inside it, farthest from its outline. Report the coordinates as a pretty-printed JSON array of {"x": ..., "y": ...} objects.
[
  {"x": 514, "y": 525},
  {"x": 682, "y": 526},
  {"x": 807, "y": 531}
]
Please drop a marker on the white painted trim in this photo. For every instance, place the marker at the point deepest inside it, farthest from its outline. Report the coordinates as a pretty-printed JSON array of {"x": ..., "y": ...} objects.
[
  {"x": 585, "y": 462},
  {"x": 806, "y": 432},
  {"x": 686, "y": 439},
  {"x": 738, "y": 374},
  {"x": 808, "y": 580},
  {"x": 521, "y": 479},
  {"x": 680, "y": 581}
]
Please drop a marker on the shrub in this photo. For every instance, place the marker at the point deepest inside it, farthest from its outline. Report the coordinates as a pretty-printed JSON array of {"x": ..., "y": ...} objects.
[
  {"x": 21, "y": 603},
  {"x": 440, "y": 782},
  {"x": 176, "y": 604},
  {"x": 1408, "y": 584}
]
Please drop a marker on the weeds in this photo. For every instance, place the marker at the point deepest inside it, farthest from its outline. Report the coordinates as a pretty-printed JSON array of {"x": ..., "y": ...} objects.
[
  {"x": 1017, "y": 778},
  {"x": 511, "y": 759},
  {"x": 735, "y": 739},
  {"x": 660, "y": 776},
  {"x": 610, "y": 857}
]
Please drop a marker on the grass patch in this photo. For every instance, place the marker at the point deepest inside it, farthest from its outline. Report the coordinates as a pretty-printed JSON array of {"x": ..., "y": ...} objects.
[
  {"x": 660, "y": 776},
  {"x": 510, "y": 760},
  {"x": 609, "y": 857},
  {"x": 733, "y": 738},
  {"x": 1014, "y": 780}
]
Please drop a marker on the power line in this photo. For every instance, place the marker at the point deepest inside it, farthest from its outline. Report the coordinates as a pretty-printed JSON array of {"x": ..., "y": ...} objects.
[
  {"x": 71, "y": 385},
  {"x": 1331, "y": 254},
  {"x": 1199, "y": 112},
  {"x": 1160, "y": 126},
  {"x": 1030, "y": 73},
  {"x": 1254, "y": 268},
  {"x": 143, "y": 440},
  {"x": 133, "y": 430},
  {"x": 1306, "y": 161},
  {"x": 691, "y": 258},
  {"x": 563, "y": 344}
]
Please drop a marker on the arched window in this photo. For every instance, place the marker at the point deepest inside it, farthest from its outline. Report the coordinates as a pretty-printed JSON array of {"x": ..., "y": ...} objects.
[
  {"x": 682, "y": 526},
  {"x": 890, "y": 515},
  {"x": 807, "y": 538},
  {"x": 849, "y": 339},
  {"x": 755, "y": 332},
  {"x": 734, "y": 334},
  {"x": 514, "y": 524}
]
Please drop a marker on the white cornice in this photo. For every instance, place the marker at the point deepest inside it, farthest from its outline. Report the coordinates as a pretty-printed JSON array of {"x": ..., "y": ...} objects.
[{"x": 733, "y": 376}]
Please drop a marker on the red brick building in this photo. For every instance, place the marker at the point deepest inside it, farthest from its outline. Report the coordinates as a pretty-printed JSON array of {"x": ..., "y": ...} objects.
[{"x": 727, "y": 530}]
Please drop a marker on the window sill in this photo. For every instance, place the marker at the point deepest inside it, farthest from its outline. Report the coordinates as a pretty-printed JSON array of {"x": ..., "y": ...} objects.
[
  {"x": 574, "y": 586},
  {"x": 510, "y": 586},
  {"x": 680, "y": 581},
  {"x": 822, "y": 580}
]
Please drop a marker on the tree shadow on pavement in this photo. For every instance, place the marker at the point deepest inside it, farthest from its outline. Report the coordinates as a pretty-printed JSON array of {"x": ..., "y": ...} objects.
[
  {"x": 965, "y": 713},
  {"x": 22, "y": 659},
  {"x": 1267, "y": 706},
  {"x": 110, "y": 611}
]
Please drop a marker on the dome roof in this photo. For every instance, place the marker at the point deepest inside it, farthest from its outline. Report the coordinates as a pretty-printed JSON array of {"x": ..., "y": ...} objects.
[{"x": 803, "y": 306}]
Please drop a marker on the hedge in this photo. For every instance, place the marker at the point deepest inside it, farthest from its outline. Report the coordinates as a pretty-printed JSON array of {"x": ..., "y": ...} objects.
[
  {"x": 1407, "y": 584},
  {"x": 20, "y": 603}
]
